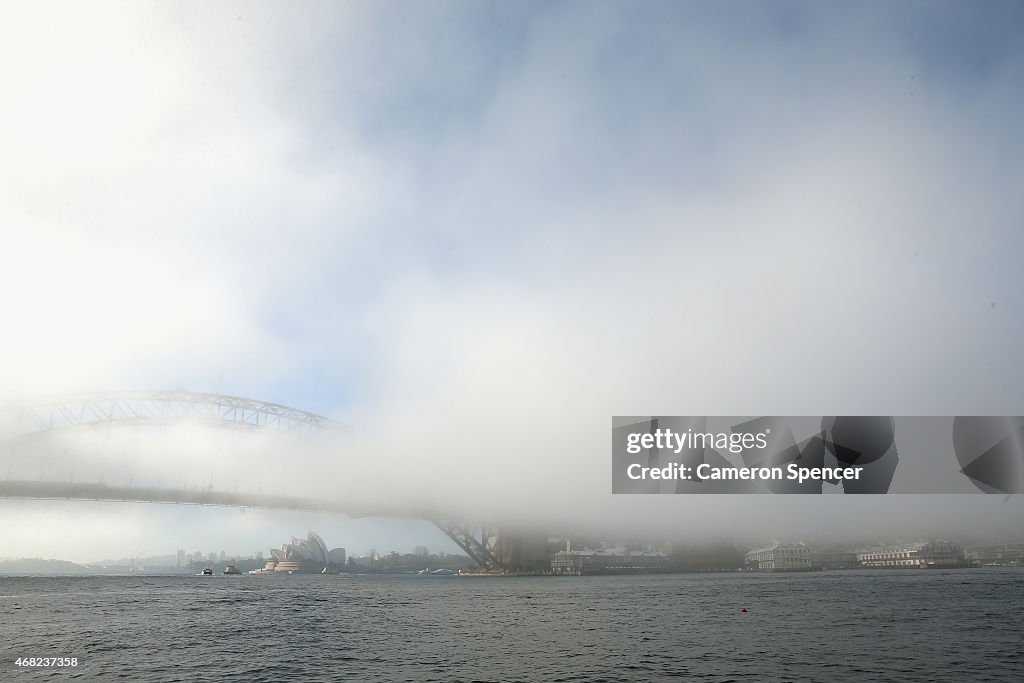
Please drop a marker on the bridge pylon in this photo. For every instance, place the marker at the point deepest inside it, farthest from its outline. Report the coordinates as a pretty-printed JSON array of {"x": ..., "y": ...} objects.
[
  {"x": 478, "y": 542},
  {"x": 496, "y": 549}
]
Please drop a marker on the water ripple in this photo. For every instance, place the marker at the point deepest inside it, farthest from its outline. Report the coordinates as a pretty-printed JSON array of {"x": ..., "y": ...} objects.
[{"x": 856, "y": 626}]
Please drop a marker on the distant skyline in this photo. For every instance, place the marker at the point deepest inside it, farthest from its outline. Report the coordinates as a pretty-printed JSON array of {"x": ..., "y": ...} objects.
[
  {"x": 156, "y": 560},
  {"x": 475, "y": 231}
]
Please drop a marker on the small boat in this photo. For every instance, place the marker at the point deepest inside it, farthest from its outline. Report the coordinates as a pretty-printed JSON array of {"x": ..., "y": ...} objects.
[
  {"x": 207, "y": 572},
  {"x": 232, "y": 569}
]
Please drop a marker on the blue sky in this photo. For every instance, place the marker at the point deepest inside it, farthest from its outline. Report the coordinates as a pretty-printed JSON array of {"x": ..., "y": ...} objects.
[{"x": 456, "y": 217}]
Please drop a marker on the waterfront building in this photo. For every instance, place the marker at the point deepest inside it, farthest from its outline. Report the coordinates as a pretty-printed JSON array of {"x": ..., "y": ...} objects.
[
  {"x": 570, "y": 562},
  {"x": 305, "y": 555},
  {"x": 833, "y": 559},
  {"x": 920, "y": 554},
  {"x": 780, "y": 557},
  {"x": 1006, "y": 554}
]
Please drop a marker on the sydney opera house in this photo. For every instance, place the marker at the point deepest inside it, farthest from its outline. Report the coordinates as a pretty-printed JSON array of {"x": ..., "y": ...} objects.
[{"x": 305, "y": 555}]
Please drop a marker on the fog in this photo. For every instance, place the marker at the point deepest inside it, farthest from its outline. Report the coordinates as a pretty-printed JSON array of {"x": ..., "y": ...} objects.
[{"x": 472, "y": 234}]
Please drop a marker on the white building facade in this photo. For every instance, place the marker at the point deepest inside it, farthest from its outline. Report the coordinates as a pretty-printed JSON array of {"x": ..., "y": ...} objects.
[
  {"x": 921, "y": 554},
  {"x": 780, "y": 557}
]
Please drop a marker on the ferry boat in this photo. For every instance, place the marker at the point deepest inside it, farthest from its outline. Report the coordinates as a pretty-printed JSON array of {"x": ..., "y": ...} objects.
[
  {"x": 207, "y": 572},
  {"x": 232, "y": 569}
]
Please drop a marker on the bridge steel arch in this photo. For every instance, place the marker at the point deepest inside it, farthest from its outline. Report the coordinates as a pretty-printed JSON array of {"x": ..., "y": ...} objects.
[
  {"x": 120, "y": 408},
  {"x": 25, "y": 420}
]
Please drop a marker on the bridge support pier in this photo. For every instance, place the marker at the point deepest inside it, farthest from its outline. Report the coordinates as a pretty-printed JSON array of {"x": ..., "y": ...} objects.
[
  {"x": 503, "y": 550},
  {"x": 479, "y": 543}
]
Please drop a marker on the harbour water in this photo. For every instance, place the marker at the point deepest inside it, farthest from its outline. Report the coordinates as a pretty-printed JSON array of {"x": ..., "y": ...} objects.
[{"x": 910, "y": 625}]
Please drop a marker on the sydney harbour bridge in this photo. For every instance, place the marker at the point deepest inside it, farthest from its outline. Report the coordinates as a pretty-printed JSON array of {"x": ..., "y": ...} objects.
[{"x": 24, "y": 422}]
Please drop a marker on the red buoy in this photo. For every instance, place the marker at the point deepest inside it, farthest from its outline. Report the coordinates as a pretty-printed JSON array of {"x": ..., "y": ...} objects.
[{"x": 743, "y": 609}]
